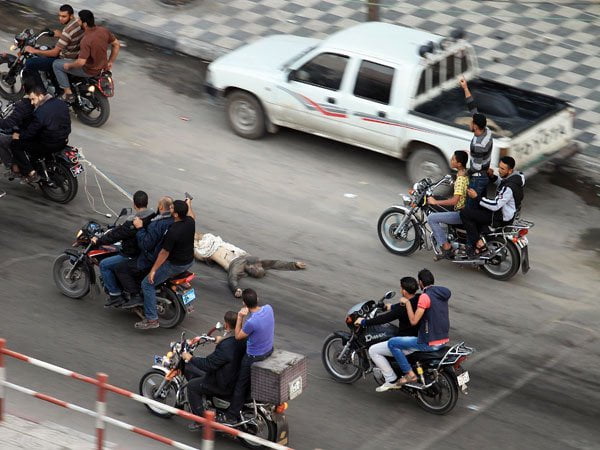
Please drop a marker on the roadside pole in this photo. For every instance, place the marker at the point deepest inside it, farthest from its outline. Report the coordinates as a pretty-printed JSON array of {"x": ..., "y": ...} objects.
[{"x": 373, "y": 10}]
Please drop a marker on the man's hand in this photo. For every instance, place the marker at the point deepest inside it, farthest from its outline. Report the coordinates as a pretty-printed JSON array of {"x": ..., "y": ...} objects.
[
  {"x": 109, "y": 66},
  {"x": 403, "y": 301},
  {"x": 151, "y": 276},
  {"x": 30, "y": 49},
  {"x": 387, "y": 306},
  {"x": 218, "y": 339},
  {"x": 243, "y": 313},
  {"x": 237, "y": 293},
  {"x": 463, "y": 83},
  {"x": 432, "y": 201},
  {"x": 15, "y": 136},
  {"x": 94, "y": 240},
  {"x": 358, "y": 321},
  {"x": 490, "y": 172},
  {"x": 138, "y": 223},
  {"x": 186, "y": 356},
  {"x": 472, "y": 193},
  {"x": 300, "y": 265}
]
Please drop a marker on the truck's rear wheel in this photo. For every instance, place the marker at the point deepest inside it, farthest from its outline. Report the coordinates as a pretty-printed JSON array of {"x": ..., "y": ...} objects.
[
  {"x": 425, "y": 162},
  {"x": 246, "y": 115}
]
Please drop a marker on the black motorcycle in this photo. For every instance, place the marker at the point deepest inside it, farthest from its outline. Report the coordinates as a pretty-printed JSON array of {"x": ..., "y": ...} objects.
[
  {"x": 403, "y": 229},
  {"x": 346, "y": 358},
  {"x": 166, "y": 383},
  {"x": 90, "y": 95},
  {"x": 58, "y": 171},
  {"x": 74, "y": 274}
]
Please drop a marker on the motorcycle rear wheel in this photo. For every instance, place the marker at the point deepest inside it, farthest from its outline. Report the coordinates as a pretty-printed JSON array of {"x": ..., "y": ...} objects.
[
  {"x": 341, "y": 372},
  {"x": 440, "y": 398},
  {"x": 149, "y": 384},
  {"x": 64, "y": 185},
  {"x": 170, "y": 310},
  {"x": 95, "y": 111},
  {"x": 78, "y": 285},
  {"x": 509, "y": 264},
  {"x": 262, "y": 428},
  {"x": 386, "y": 225}
]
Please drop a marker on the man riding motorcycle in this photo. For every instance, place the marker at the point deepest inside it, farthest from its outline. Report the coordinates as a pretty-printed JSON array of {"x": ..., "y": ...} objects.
[
  {"x": 380, "y": 351},
  {"x": 48, "y": 132},
  {"x": 218, "y": 372}
]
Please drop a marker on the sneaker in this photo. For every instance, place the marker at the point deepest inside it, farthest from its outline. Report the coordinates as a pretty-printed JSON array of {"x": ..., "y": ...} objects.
[
  {"x": 194, "y": 426},
  {"x": 114, "y": 301},
  {"x": 134, "y": 301},
  {"x": 387, "y": 386},
  {"x": 147, "y": 324},
  {"x": 228, "y": 419}
]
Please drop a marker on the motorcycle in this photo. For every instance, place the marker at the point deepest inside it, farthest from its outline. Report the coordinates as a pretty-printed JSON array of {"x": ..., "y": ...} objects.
[
  {"x": 166, "y": 383},
  {"x": 346, "y": 358},
  {"x": 404, "y": 229},
  {"x": 58, "y": 171},
  {"x": 90, "y": 95},
  {"x": 74, "y": 273}
]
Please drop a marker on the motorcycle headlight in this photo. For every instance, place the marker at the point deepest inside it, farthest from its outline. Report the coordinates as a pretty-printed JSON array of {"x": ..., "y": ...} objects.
[
  {"x": 79, "y": 233},
  {"x": 406, "y": 199},
  {"x": 13, "y": 48}
]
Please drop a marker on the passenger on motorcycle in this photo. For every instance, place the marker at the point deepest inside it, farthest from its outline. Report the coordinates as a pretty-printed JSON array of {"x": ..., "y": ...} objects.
[
  {"x": 259, "y": 331},
  {"x": 459, "y": 162},
  {"x": 67, "y": 47},
  {"x": 217, "y": 373},
  {"x": 380, "y": 352},
  {"x": 19, "y": 118},
  {"x": 496, "y": 212},
  {"x": 48, "y": 132},
  {"x": 149, "y": 239},
  {"x": 126, "y": 234},
  {"x": 434, "y": 326},
  {"x": 175, "y": 256},
  {"x": 92, "y": 59}
]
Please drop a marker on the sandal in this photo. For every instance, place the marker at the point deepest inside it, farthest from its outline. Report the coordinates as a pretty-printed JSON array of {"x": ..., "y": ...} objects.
[
  {"x": 480, "y": 249},
  {"x": 406, "y": 379}
]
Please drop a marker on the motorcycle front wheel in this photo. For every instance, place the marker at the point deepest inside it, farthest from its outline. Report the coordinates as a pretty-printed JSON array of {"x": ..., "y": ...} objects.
[
  {"x": 346, "y": 371},
  {"x": 93, "y": 110},
  {"x": 408, "y": 240},
  {"x": 75, "y": 286},
  {"x": 62, "y": 186},
  {"x": 440, "y": 398},
  {"x": 260, "y": 427},
  {"x": 149, "y": 385},
  {"x": 505, "y": 264},
  {"x": 170, "y": 310},
  {"x": 11, "y": 87}
]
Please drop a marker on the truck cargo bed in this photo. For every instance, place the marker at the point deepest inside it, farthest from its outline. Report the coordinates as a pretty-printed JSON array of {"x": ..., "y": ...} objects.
[{"x": 509, "y": 110}]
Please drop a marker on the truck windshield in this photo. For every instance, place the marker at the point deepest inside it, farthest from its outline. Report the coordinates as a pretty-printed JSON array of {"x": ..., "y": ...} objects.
[{"x": 290, "y": 61}]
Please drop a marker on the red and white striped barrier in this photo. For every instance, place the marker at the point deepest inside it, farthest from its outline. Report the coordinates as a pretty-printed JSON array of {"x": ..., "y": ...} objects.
[{"x": 100, "y": 414}]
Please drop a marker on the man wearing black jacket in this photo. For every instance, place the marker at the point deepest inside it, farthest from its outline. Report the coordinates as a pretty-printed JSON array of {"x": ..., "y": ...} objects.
[
  {"x": 47, "y": 133},
  {"x": 126, "y": 234},
  {"x": 380, "y": 351},
  {"x": 220, "y": 368}
]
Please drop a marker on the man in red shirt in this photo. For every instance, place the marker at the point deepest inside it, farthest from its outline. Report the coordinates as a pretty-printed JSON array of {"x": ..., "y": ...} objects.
[{"x": 92, "y": 59}]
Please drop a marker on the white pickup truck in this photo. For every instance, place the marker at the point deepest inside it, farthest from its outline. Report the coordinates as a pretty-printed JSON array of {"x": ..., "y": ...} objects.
[{"x": 390, "y": 89}]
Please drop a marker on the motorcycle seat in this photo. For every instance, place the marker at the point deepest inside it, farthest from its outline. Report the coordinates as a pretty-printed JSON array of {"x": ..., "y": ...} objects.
[{"x": 421, "y": 356}]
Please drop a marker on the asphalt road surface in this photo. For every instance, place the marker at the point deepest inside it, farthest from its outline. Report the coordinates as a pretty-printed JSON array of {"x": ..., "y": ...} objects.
[{"x": 534, "y": 376}]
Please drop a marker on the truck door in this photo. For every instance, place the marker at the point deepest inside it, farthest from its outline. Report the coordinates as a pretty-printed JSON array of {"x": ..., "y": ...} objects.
[
  {"x": 375, "y": 122},
  {"x": 311, "y": 97}
]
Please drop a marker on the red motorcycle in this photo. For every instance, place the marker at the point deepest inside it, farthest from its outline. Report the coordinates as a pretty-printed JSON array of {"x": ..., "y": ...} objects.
[{"x": 74, "y": 273}]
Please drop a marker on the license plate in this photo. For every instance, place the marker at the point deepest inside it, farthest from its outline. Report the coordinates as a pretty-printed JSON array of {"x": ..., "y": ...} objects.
[
  {"x": 522, "y": 242},
  {"x": 76, "y": 169},
  {"x": 295, "y": 388},
  {"x": 189, "y": 296},
  {"x": 463, "y": 378}
]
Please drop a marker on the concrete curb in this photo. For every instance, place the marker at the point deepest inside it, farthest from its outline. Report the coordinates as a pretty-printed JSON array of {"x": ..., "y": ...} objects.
[{"x": 139, "y": 31}]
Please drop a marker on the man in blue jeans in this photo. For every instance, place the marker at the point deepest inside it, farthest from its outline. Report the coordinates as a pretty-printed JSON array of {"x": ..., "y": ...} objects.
[
  {"x": 126, "y": 234},
  {"x": 176, "y": 256},
  {"x": 434, "y": 327}
]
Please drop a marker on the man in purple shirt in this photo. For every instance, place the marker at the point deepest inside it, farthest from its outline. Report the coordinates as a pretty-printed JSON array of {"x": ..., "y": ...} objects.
[{"x": 259, "y": 330}]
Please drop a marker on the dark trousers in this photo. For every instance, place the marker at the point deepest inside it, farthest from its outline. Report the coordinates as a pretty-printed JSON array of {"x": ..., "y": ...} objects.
[
  {"x": 197, "y": 388},
  {"x": 130, "y": 276},
  {"x": 479, "y": 183},
  {"x": 21, "y": 148},
  {"x": 475, "y": 219},
  {"x": 5, "y": 153},
  {"x": 243, "y": 383},
  {"x": 37, "y": 64}
]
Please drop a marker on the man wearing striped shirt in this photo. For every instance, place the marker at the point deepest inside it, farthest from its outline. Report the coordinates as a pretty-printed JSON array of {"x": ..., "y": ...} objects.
[
  {"x": 67, "y": 47},
  {"x": 481, "y": 148}
]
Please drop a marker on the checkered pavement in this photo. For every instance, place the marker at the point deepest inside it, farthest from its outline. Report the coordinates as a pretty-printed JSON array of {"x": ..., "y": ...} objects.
[{"x": 550, "y": 47}]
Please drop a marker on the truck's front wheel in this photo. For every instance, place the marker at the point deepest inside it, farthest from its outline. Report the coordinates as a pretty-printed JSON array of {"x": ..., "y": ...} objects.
[
  {"x": 246, "y": 115},
  {"x": 425, "y": 162}
]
